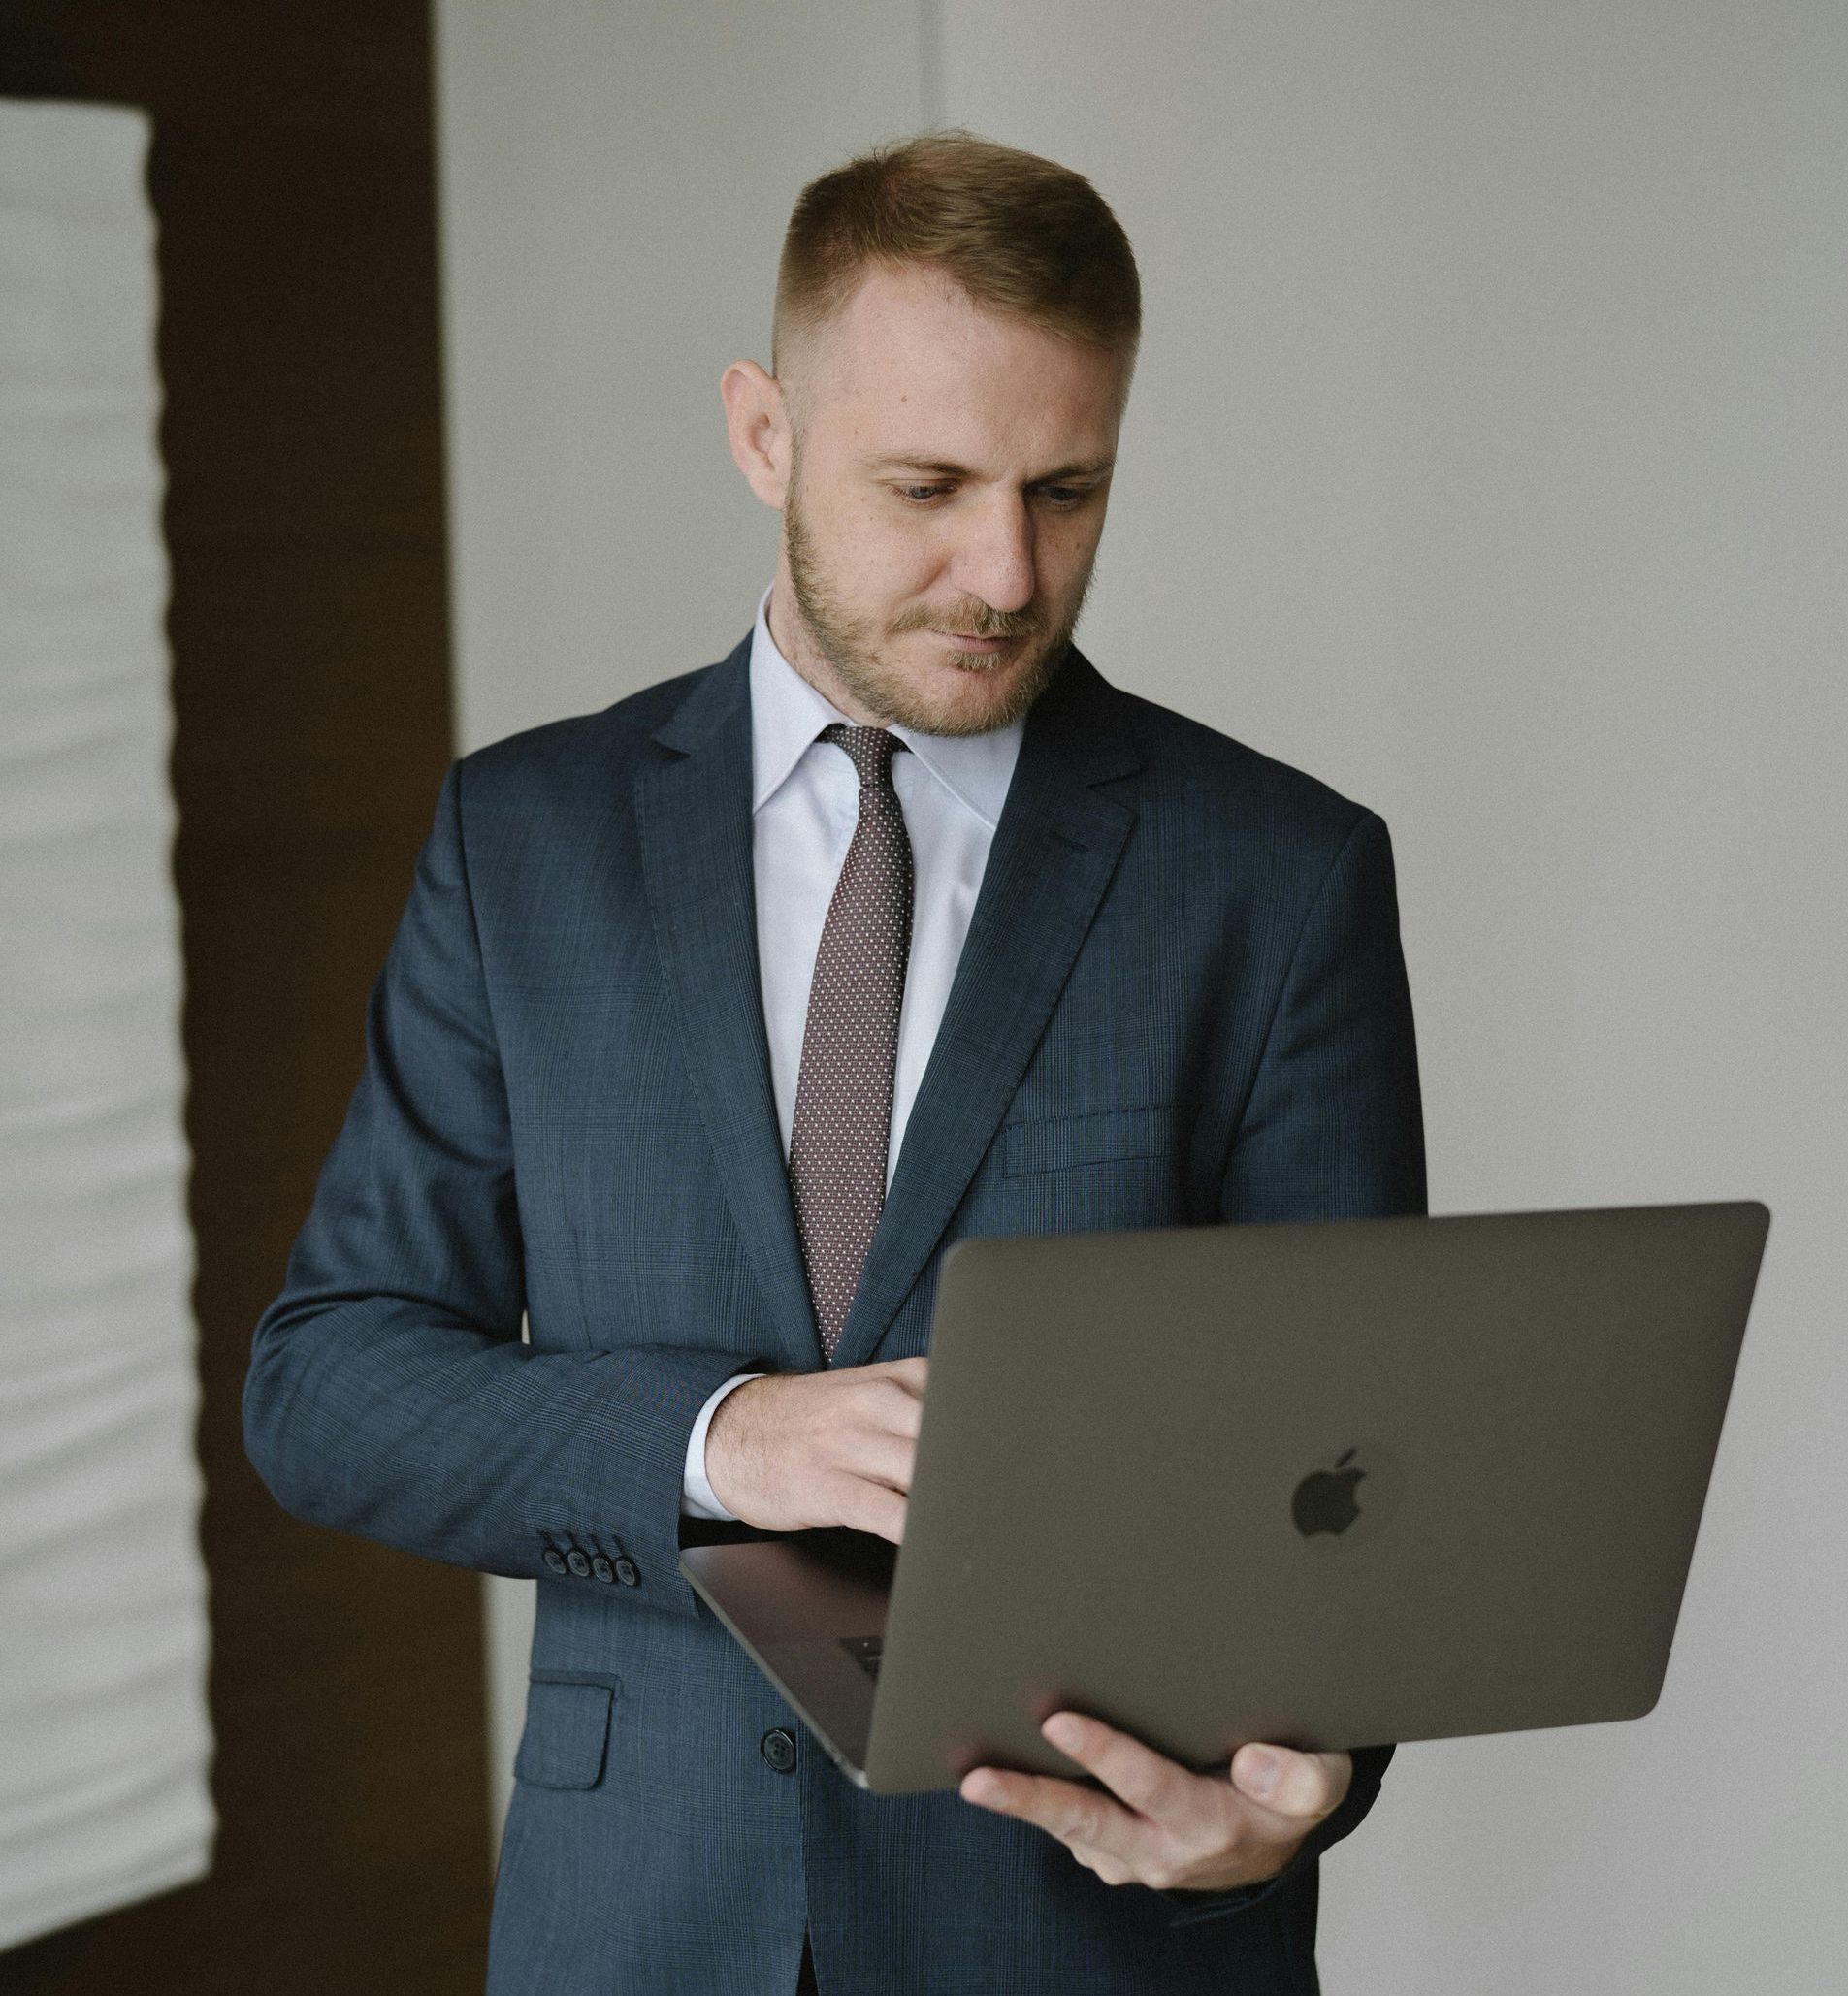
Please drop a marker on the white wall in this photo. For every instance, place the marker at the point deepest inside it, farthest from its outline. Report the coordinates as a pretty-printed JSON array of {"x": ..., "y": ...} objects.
[{"x": 1486, "y": 458}]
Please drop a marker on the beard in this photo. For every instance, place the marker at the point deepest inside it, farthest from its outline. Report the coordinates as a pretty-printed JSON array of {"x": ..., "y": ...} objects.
[{"x": 987, "y": 693}]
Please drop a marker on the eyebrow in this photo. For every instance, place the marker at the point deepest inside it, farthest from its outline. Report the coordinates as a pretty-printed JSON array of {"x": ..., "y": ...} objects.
[{"x": 1091, "y": 467}]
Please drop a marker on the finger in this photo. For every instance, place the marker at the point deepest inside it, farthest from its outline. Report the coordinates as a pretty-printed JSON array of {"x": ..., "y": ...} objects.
[
  {"x": 892, "y": 1409},
  {"x": 906, "y": 1372},
  {"x": 876, "y": 1458},
  {"x": 1292, "y": 1788},
  {"x": 1061, "y": 1808},
  {"x": 871, "y": 1507},
  {"x": 1151, "y": 1784},
  {"x": 1112, "y": 1870}
]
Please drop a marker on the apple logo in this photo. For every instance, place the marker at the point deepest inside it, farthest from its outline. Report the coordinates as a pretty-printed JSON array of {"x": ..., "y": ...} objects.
[{"x": 1324, "y": 1499}]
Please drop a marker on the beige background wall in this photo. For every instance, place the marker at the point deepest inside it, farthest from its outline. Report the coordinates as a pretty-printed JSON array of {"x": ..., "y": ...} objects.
[{"x": 1486, "y": 458}]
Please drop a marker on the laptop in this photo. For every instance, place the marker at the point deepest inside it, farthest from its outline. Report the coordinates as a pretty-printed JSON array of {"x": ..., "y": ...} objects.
[{"x": 1325, "y": 1483}]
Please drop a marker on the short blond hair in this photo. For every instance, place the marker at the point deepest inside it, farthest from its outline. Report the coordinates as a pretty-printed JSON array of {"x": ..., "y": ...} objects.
[{"x": 1021, "y": 235}]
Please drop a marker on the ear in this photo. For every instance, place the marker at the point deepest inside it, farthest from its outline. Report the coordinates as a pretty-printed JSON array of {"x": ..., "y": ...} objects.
[{"x": 757, "y": 425}]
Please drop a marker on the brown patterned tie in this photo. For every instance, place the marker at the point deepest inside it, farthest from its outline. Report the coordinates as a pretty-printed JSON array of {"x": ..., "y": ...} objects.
[{"x": 850, "y": 1041}]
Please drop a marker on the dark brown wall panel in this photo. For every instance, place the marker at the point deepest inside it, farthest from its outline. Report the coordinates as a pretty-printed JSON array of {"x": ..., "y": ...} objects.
[{"x": 292, "y": 178}]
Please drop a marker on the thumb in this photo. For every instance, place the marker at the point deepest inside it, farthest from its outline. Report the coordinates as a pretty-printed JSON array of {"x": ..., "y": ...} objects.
[{"x": 1302, "y": 1787}]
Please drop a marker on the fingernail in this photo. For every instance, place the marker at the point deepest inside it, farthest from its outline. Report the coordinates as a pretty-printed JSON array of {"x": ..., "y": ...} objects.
[
  {"x": 1063, "y": 1731},
  {"x": 1261, "y": 1772},
  {"x": 979, "y": 1788}
]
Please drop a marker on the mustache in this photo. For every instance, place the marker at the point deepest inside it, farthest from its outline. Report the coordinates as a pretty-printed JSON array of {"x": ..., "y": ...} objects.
[{"x": 1005, "y": 632}]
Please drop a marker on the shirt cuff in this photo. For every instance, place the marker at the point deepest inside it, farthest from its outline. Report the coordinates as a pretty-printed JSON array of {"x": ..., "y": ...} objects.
[{"x": 696, "y": 1499}]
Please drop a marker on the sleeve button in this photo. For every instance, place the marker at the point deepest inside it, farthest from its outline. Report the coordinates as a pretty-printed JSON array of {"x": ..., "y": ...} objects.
[
  {"x": 628, "y": 1573},
  {"x": 579, "y": 1562},
  {"x": 601, "y": 1567},
  {"x": 554, "y": 1558}
]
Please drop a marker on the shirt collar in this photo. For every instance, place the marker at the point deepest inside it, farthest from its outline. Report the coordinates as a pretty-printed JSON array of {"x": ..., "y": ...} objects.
[{"x": 787, "y": 713}]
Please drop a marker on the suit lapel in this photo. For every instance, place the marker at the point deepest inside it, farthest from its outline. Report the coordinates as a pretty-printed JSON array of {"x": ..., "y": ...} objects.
[
  {"x": 1054, "y": 850},
  {"x": 693, "y": 807}
]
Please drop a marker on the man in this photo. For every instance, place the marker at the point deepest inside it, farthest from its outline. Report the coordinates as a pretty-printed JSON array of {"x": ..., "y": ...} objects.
[{"x": 713, "y": 1018}]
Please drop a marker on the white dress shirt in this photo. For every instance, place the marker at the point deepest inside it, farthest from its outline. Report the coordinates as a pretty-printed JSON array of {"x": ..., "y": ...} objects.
[{"x": 805, "y": 806}]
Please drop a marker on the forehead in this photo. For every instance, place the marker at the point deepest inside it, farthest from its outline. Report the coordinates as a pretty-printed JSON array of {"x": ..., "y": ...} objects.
[{"x": 912, "y": 362}]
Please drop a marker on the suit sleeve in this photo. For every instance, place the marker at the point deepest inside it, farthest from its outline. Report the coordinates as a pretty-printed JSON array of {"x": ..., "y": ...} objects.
[
  {"x": 390, "y": 1394},
  {"x": 1333, "y": 1129}
]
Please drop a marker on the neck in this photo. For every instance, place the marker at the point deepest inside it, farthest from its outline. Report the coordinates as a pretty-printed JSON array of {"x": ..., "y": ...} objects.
[{"x": 789, "y": 633}]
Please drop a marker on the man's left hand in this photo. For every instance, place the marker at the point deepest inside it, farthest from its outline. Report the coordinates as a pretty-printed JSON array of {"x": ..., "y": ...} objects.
[{"x": 1170, "y": 1828}]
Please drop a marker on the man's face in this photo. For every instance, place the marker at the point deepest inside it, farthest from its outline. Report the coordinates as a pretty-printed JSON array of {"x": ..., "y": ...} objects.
[{"x": 950, "y": 478}]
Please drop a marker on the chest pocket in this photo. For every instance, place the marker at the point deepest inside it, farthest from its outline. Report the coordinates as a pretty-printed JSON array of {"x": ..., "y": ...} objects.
[
  {"x": 567, "y": 1731},
  {"x": 1111, "y": 1136}
]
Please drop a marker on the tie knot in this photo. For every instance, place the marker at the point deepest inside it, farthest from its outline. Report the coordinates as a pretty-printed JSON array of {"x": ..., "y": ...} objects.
[{"x": 870, "y": 750}]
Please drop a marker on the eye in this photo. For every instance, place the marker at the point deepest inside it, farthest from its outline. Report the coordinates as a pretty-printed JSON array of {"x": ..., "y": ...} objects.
[{"x": 1066, "y": 499}]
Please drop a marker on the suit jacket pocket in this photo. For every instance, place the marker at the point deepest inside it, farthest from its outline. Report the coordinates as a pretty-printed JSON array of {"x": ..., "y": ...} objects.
[
  {"x": 1110, "y": 1136},
  {"x": 566, "y": 1730}
]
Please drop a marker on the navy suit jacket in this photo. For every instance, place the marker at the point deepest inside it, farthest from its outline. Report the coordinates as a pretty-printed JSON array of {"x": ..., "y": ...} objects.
[{"x": 1182, "y": 1001}]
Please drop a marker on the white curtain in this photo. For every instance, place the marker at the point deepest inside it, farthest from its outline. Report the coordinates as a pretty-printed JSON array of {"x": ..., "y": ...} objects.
[{"x": 104, "y": 1737}]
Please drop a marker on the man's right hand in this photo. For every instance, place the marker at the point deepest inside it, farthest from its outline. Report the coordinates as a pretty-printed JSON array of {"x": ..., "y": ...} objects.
[{"x": 800, "y": 1449}]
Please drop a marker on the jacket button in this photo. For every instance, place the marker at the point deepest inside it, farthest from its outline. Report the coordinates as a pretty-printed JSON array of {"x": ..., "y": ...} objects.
[
  {"x": 579, "y": 1562},
  {"x": 554, "y": 1558},
  {"x": 601, "y": 1567},
  {"x": 778, "y": 1748},
  {"x": 628, "y": 1573}
]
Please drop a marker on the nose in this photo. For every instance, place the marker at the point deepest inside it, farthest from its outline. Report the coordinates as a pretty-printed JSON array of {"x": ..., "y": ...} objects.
[{"x": 994, "y": 560}]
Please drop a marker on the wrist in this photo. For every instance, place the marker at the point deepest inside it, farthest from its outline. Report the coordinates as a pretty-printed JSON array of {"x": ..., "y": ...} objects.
[
  {"x": 729, "y": 1447},
  {"x": 697, "y": 1496}
]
